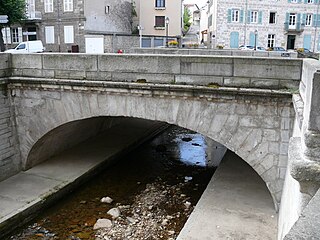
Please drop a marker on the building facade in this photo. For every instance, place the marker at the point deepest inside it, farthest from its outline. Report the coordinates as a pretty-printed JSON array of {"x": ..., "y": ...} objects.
[{"x": 268, "y": 23}]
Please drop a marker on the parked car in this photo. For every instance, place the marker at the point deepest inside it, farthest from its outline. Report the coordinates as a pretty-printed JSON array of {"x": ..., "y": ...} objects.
[
  {"x": 261, "y": 49},
  {"x": 306, "y": 53},
  {"x": 28, "y": 47},
  {"x": 277, "y": 49},
  {"x": 246, "y": 47}
]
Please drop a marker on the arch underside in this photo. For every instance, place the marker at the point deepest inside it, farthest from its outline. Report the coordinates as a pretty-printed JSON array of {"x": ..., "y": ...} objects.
[{"x": 252, "y": 130}]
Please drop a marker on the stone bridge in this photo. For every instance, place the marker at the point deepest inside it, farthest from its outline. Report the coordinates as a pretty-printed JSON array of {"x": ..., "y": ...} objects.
[{"x": 53, "y": 101}]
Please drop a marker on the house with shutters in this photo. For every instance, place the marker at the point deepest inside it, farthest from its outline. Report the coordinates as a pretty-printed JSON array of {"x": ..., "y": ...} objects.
[{"x": 289, "y": 24}]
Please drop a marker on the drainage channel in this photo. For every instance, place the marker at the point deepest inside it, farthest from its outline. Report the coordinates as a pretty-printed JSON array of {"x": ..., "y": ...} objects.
[{"x": 148, "y": 194}]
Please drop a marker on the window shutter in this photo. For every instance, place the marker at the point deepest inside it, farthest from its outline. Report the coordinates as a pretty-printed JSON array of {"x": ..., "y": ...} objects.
[
  {"x": 303, "y": 19},
  {"x": 241, "y": 16},
  {"x": 8, "y": 35},
  {"x": 20, "y": 34},
  {"x": 68, "y": 34},
  {"x": 286, "y": 24},
  {"x": 229, "y": 15},
  {"x": 305, "y": 1},
  {"x": 289, "y": 1},
  {"x": 248, "y": 16},
  {"x": 316, "y": 1},
  {"x": 298, "y": 22},
  {"x": 260, "y": 17},
  {"x": 299, "y": 1}
]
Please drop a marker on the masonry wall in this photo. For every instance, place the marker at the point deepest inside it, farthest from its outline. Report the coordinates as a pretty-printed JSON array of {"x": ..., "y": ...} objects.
[
  {"x": 225, "y": 71},
  {"x": 9, "y": 157}
]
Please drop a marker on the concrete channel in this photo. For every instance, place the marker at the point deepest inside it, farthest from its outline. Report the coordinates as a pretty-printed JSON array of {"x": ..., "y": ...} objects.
[{"x": 24, "y": 194}]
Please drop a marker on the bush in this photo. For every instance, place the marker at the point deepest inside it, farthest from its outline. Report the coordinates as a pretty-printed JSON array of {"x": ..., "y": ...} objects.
[{"x": 173, "y": 43}]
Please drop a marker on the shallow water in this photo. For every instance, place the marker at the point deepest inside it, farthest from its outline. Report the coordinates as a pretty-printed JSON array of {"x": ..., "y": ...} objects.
[{"x": 174, "y": 157}]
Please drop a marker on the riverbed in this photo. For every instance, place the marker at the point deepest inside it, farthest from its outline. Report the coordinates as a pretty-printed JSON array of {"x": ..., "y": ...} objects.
[{"x": 154, "y": 188}]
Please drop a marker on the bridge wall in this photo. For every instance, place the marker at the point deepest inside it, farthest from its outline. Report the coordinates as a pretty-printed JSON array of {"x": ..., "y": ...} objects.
[
  {"x": 228, "y": 71},
  {"x": 9, "y": 157},
  {"x": 254, "y": 127}
]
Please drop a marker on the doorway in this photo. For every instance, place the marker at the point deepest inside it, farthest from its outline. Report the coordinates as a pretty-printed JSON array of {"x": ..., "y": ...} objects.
[{"x": 291, "y": 41}]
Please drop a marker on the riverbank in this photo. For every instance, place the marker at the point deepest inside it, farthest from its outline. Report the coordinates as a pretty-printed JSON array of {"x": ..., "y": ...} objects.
[{"x": 24, "y": 194}]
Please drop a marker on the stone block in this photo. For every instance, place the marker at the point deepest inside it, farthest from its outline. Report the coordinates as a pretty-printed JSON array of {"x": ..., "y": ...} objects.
[
  {"x": 21, "y": 61},
  {"x": 70, "y": 74},
  {"x": 268, "y": 68},
  {"x": 198, "y": 80},
  {"x": 214, "y": 66},
  {"x": 70, "y": 62},
  {"x": 149, "y": 78},
  {"x": 264, "y": 83},
  {"x": 236, "y": 82},
  {"x": 139, "y": 64}
]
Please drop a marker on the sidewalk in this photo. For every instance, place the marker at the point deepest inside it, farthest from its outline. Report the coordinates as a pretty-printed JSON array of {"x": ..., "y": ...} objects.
[
  {"x": 236, "y": 205},
  {"x": 27, "y": 192}
]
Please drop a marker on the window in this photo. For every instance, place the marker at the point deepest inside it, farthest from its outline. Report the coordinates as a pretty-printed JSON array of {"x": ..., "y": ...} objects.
[
  {"x": 235, "y": 15},
  {"x": 292, "y": 19},
  {"x": 48, "y": 6},
  {"x": 309, "y": 1},
  {"x": 272, "y": 18},
  {"x": 254, "y": 17},
  {"x": 160, "y": 3},
  {"x": 31, "y": 7},
  {"x": 49, "y": 33},
  {"x": 68, "y": 34},
  {"x": 308, "y": 19},
  {"x": 271, "y": 40},
  {"x": 6, "y": 35},
  {"x": 294, "y": 1},
  {"x": 16, "y": 34},
  {"x": 68, "y": 5},
  {"x": 160, "y": 21}
]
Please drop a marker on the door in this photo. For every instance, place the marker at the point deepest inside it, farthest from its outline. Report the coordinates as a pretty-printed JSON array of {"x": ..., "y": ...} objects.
[
  {"x": 307, "y": 41},
  {"x": 291, "y": 41},
  {"x": 94, "y": 45},
  {"x": 234, "y": 40}
]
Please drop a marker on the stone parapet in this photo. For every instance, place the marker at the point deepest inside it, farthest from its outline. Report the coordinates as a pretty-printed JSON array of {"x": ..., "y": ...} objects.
[{"x": 225, "y": 71}]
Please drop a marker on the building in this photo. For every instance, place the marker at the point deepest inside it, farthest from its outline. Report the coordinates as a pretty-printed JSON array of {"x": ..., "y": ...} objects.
[
  {"x": 286, "y": 23},
  {"x": 159, "y": 18}
]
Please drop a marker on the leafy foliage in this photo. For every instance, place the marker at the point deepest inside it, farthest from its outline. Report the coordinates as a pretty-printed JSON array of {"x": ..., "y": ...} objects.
[
  {"x": 186, "y": 19},
  {"x": 16, "y": 12}
]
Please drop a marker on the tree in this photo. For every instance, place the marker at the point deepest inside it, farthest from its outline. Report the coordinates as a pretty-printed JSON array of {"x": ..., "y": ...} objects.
[
  {"x": 16, "y": 11},
  {"x": 186, "y": 19}
]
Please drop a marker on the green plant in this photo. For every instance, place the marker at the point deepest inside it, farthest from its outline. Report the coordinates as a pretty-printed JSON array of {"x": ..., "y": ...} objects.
[
  {"x": 186, "y": 19},
  {"x": 220, "y": 46},
  {"x": 141, "y": 81},
  {"x": 213, "y": 85}
]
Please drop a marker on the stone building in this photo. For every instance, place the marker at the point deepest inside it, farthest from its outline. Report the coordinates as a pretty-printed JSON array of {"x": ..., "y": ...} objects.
[{"x": 286, "y": 23}]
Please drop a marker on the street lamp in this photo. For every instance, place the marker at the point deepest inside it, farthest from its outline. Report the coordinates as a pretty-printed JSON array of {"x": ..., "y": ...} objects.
[
  {"x": 140, "y": 28},
  {"x": 255, "y": 39},
  {"x": 167, "y": 30}
]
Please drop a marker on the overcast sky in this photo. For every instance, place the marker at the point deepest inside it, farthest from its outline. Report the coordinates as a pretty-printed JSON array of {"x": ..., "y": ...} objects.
[{"x": 200, "y": 3}]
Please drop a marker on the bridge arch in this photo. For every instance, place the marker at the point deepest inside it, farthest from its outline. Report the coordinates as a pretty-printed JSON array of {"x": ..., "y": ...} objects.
[{"x": 255, "y": 129}]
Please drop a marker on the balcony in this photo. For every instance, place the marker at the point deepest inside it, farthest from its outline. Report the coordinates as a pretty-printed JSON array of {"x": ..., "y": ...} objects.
[
  {"x": 297, "y": 28},
  {"x": 36, "y": 15}
]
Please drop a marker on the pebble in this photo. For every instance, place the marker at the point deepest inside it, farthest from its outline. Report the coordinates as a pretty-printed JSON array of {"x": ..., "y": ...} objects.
[
  {"x": 114, "y": 212},
  {"x": 102, "y": 223},
  {"x": 106, "y": 200},
  {"x": 187, "y": 204}
]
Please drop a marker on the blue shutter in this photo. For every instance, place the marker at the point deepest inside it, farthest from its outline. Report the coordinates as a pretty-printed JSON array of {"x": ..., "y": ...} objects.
[
  {"x": 289, "y": 1},
  {"x": 314, "y": 20},
  {"x": 229, "y": 15},
  {"x": 241, "y": 16},
  {"x": 298, "y": 25},
  {"x": 316, "y": 1},
  {"x": 307, "y": 41},
  {"x": 260, "y": 17},
  {"x": 251, "y": 39},
  {"x": 305, "y": 1},
  {"x": 286, "y": 24},
  {"x": 299, "y": 1},
  {"x": 248, "y": 16},
  {"x": 234, "y": 40},
  {"x": 303, "y": 19}
]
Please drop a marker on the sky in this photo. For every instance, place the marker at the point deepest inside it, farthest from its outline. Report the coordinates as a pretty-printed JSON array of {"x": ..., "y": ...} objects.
[{"x": 200, "y": 3}]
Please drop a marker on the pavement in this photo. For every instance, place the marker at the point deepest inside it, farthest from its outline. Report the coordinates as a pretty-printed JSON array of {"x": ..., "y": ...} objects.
[
  {"x": 236, "y": 205},
  {"x": 22, "y": 195}
]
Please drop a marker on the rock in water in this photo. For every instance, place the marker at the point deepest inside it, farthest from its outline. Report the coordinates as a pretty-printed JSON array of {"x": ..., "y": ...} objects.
[
  {"x": 102, "y": 223},
  {"x": 114, "y": 212},
  {"x": 106, "y": 200}
]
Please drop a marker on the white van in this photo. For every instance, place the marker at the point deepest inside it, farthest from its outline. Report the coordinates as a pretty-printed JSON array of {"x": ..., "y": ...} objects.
[{"x": 28, "y": 47}]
